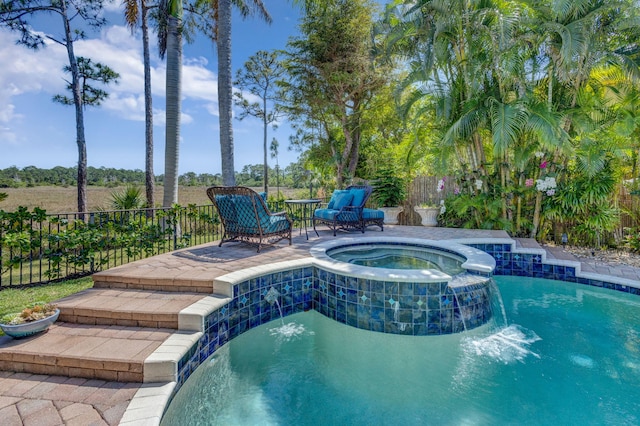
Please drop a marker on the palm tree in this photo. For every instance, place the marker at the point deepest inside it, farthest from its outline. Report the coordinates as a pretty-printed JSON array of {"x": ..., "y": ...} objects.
[
  {"x": 173, "y": 82},
  {"x": 222, "y": 33},
  {"x": 135, "y": 13}
]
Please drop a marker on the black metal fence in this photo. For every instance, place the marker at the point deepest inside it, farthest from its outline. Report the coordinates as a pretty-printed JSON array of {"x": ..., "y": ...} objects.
[{"x": 36, "y": 247}]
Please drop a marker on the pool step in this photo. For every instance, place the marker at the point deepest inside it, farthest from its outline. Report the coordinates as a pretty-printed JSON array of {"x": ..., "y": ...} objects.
[
  {"x": 131, "y": 308},
  {"x": 113, "y": 334},
  {"x": 88, "y": 351},
  {"x": 106, "y": 280}
]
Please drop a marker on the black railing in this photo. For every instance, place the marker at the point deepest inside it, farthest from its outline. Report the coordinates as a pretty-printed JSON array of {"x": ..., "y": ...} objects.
[{"x": 36, "y": 247}]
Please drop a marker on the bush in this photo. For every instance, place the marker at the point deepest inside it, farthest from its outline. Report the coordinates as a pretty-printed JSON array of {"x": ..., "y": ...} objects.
[
  {"x": 390, "y": 189},
  {"x": 632, "y": 241}
]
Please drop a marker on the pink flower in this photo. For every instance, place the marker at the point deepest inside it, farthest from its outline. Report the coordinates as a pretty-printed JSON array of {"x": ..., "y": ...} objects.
[
  {"x": 456, "y": 190},
  {"x": 528, "y": 183},
  {"x": 543, "y": 165}
]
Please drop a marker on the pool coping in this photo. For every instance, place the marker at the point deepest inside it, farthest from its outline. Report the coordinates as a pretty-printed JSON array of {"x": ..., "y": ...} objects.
[
  {"x": 476, "y": 260},
  {"x": 150, "y": 401}
]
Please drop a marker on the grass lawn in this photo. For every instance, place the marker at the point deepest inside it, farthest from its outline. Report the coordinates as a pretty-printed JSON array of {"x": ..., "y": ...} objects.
[
  {"x": 15, "y": 299},
  {"x": 58, "y": 199}
]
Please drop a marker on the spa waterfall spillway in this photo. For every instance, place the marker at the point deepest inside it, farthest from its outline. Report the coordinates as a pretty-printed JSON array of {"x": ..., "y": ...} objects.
[{"x": 428, "y": 287}]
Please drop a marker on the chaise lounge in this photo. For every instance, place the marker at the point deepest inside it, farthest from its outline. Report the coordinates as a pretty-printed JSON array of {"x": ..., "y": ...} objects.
[
  {"x": 246, "y": 217},
  {"x": 346, "y": 211}
]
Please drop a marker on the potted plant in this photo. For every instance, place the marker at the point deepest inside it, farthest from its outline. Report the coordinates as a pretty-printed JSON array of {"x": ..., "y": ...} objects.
[
  {"x": 389, "y": 192},
  {"x": 33, "y": 319},
  {"x": 428, "y": 213}
]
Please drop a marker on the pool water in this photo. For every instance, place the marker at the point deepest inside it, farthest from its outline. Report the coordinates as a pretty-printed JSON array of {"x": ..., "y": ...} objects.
[
  {"x": 398, "y": 257},
  {"x": 569, "y": 354}
]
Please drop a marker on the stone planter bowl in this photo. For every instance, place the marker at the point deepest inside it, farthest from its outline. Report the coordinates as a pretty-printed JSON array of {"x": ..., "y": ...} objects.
[{"x": 26, "y": 329}]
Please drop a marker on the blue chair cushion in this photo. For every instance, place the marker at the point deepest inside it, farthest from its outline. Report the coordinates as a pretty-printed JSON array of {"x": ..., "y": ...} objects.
[
  {"x": 328, "y": 214},
  {"x": 335, "y": 196},
  {"x": 358, "y": 196},
  {"x": 372, "y": 214},
  {"x": 343, "y": 200},
  {"x": 263, "y": 195},
  {"x": 275, "y": 224},
  {"x": 333, "y": 214}
]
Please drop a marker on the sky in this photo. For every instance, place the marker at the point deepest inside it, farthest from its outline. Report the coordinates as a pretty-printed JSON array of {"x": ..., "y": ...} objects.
[{"x": 35, "y": 131}]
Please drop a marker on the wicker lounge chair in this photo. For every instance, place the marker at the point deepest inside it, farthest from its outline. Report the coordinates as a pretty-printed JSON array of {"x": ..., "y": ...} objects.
[
  {"x": 346, "y": 210},
  {"x": 246, "y": 217}
]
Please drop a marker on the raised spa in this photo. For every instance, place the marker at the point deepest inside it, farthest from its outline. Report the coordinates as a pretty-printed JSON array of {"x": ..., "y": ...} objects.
[
  {"x": 398, "y": 257},
  {"x": 404, "y": 285}
]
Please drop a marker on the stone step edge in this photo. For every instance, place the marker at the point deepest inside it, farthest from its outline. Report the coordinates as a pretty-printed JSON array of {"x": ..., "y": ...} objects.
[
  {"x": 190, "y": 286},
  {"x": 162, "y": 364}
]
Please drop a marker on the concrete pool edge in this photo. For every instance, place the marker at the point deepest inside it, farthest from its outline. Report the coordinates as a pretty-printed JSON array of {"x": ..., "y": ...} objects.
[
  {"x": 156, "y": 398},
  {"x": 476, "y": 260}
]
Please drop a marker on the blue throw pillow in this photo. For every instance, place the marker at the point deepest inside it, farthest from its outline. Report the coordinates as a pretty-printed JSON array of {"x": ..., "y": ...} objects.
[
  {"x": 343, "y": 200},
  {"x": 358, "y": 196},
  {"x": 336, "y": 193},
  {"x": 263, "y": 195}
]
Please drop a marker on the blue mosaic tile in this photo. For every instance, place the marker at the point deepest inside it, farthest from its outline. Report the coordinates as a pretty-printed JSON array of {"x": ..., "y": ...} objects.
[
  {"x": 405, "y": 289},
  {"x": 364, "y": 284},
  {"x": 377, "y": 286}
]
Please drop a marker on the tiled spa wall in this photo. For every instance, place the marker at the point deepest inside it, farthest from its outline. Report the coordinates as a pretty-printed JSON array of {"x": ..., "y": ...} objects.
[
  {"x": 400, "y": 307},
  {"x": 391, "y": 307},
  {"x": 531, "y": 265},
  {"x": 297, "y": 289}
]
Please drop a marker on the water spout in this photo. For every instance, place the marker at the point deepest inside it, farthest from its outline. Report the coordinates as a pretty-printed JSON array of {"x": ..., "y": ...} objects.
[
  {"x": 272, "y": 297},
  {"x": 460, "y": 311}
]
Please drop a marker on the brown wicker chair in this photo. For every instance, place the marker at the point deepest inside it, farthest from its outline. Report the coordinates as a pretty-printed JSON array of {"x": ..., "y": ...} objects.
[{"x": 246, "y": 217}]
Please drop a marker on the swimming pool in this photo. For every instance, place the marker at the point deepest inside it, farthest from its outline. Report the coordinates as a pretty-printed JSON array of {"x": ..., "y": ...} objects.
[{"x": 568, "y": 354}]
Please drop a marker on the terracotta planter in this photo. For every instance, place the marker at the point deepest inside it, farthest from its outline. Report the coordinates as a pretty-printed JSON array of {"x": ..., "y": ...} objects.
[
  {"x": 429, "y": 215},
  {"x": 29, "y": 328},
  {"x": 391, "y": 214}
]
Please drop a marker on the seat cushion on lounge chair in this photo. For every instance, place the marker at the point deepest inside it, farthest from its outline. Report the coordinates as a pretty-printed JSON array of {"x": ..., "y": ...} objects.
[
  {"x": 336, "y": 194},
  {"x": 358, "y": 196},
  {"x": 333, "y": 214},
  {"x": 372, "y": 214},
  {"x": 328, "y": 214},
  {"x": 276, "y": 223}
]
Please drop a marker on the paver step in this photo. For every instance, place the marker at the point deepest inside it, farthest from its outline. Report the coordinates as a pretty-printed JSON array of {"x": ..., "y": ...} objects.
[
  {"x": 204, "y": 286},
  {"x": 131, "y": 308},
  {"x": 88, "y": 351}
]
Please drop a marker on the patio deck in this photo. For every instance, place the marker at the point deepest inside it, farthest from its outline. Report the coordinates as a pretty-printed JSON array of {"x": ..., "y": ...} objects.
[{"x": 90, "y": 364}]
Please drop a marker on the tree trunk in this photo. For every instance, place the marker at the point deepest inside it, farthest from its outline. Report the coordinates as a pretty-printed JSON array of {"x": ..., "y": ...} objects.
[
  {"x": 265, "y": 123},
  {"x": 225, "y": 92},
  {"x": 536, "y": 215},
  {"x": 77, "y": 102},
  {"x": 148, "y": 111},
  {"x": 172, "y": 141}
]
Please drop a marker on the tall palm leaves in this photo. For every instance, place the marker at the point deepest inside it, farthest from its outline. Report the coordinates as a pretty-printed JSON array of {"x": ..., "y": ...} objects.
[{"x": 507, "y": 78}]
